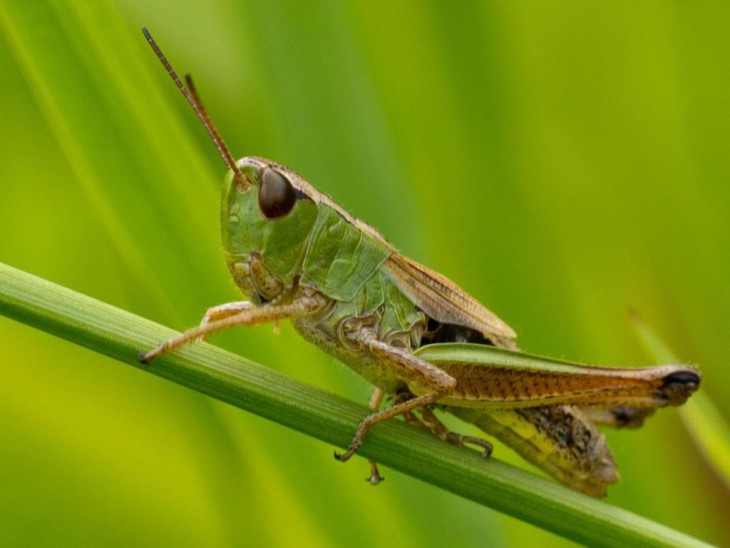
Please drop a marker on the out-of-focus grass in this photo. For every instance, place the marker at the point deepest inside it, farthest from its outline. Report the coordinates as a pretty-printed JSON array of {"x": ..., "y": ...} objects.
[{"x": 560, "y": 162}]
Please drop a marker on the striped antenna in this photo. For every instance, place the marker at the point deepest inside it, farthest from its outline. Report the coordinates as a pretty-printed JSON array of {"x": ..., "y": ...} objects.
[{"x": 192, "y": 97}]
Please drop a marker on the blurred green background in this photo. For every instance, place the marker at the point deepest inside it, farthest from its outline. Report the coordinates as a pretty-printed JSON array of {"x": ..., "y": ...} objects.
[{"x": 563, "y": 162}]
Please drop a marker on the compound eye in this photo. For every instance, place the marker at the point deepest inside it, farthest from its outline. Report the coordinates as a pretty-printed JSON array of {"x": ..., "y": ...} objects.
[{"x": 276, "y": 195}]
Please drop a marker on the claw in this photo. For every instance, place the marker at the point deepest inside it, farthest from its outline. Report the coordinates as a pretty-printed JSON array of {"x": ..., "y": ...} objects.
[
  {"x": 458, "y": 439},
  {"x": 375, "y": 477},
  {"x": 147, "y": 357},
  {"x": 343, "y": 457}
]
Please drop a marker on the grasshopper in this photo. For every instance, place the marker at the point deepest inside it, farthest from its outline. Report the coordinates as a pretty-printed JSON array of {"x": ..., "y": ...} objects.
[{"x": 411, "y": 332}]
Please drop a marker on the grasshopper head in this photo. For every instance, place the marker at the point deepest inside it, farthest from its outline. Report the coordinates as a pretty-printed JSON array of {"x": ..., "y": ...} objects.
[
  {"x": 266, "y": 220},
  {"x": 267, "y": 215}
]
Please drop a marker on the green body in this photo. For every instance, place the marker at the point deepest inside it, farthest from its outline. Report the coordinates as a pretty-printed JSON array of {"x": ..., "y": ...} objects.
[{"x": 316, "y": 248}]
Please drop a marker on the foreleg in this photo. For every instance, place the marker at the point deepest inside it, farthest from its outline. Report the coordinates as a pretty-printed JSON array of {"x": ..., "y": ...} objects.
[{"x": 227, "y": 316}]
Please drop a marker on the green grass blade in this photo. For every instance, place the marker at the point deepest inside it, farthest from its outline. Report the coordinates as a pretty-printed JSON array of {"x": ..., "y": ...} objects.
[{"x": 222, "y": 375}]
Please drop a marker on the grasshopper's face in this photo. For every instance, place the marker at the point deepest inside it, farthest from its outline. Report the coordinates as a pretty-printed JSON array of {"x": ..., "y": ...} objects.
[{"x": 266, "y": 221}]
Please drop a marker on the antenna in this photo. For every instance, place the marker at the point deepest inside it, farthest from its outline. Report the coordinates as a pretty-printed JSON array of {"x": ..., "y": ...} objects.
[{"x": 193, "y": 98}]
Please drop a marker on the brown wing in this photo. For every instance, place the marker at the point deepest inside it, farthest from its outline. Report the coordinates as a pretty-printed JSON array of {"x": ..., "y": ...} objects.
[{"x": 445, "y": 301}]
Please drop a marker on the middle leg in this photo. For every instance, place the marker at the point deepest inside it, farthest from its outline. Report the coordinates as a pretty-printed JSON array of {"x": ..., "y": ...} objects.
[{"x": 406, "y": 366}]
